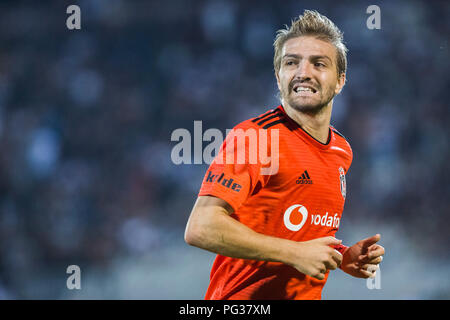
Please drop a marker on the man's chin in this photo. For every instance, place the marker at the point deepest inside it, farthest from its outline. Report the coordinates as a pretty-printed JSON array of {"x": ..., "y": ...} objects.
[{"x": 311, "y": 108}]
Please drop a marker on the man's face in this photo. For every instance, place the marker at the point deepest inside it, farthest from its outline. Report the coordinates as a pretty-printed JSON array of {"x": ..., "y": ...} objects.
[{"x": 308, "y": 78}]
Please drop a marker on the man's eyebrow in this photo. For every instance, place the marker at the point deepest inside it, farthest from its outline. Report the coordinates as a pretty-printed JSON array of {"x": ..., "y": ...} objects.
[
  {"x": 317, "y": 57},
  {"x": 313, "y": 57},
  {"x": 291, "y": 55}
]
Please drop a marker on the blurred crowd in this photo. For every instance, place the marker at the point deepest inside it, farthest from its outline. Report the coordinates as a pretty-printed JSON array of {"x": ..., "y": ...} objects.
[{"x": 86, "y": 118}]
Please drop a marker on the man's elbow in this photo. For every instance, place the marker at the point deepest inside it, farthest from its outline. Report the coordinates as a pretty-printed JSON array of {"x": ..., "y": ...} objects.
[
  {"x": 189, "y": 236},
  {"x": 193, "y": 235},
  {"x": 202, "y": 226}
]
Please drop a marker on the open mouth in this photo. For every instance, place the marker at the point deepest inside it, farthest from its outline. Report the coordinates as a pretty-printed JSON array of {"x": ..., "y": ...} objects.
[{"x": 301, "y": 89}]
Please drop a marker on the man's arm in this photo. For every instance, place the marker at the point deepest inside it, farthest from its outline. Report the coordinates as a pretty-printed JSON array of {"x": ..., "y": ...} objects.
[{"x": 210, "y": 227}]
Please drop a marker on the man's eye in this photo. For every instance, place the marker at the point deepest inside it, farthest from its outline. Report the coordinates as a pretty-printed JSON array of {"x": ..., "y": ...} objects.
[
  {"x": 289, "y": 63},
  {"x": 319, "y": 64}
]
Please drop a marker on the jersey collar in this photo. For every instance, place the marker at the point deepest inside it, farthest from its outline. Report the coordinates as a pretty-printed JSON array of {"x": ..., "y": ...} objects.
[{"x": 298, "y": 130}]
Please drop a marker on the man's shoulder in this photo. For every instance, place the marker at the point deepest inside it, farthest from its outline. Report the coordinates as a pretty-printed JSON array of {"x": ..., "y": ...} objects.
[
  {"x": 342, "y": 141},
  {"x": 264, "y": 121}
]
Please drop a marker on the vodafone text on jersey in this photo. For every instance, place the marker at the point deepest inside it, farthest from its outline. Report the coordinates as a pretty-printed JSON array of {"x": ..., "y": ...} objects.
[{"x": 316, "y": 219}]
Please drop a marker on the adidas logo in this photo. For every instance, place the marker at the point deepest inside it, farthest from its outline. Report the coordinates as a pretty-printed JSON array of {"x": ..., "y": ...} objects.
[{"x": 304, "y": 178}]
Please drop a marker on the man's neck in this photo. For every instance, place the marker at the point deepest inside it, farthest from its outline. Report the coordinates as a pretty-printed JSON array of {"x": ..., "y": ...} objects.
[{"x": 317, "y": 125}]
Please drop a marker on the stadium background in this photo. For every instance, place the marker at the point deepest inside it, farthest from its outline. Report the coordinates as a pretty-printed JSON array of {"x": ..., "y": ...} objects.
[{"x": 86, "y": 117}]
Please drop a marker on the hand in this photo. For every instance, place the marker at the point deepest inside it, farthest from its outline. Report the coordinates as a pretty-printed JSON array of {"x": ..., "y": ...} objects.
[
  {"x": 315, "y": 257},
  {"x": 363, "y": 257}
]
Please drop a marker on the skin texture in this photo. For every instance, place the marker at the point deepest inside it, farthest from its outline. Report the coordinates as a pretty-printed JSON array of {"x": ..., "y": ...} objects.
[{"x": 306, "y": 61}]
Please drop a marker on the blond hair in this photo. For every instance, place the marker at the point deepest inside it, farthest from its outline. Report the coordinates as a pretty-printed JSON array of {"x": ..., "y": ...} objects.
[{"x": 312, "y": 23}]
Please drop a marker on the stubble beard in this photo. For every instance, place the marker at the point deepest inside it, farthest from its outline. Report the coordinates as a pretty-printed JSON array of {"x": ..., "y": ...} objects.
[{"x": 309, "y": 107}]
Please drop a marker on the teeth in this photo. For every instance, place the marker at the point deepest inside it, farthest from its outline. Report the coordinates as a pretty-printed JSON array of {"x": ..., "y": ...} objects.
[{"x": 303, "y": 89}]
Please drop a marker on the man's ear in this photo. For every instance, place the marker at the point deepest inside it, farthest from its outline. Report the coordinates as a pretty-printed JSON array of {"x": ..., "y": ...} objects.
[{"x": 340, "y": 83}]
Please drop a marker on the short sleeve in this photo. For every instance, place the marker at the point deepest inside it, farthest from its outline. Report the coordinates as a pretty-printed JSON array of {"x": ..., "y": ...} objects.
[{"x": 236, "y": 171}]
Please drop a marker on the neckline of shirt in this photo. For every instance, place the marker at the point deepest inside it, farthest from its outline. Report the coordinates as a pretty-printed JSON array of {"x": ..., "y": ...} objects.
[{"x": 305, "y": 135}]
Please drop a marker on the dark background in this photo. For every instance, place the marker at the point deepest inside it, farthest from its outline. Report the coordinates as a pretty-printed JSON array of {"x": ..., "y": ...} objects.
[{"x": 86, "y": 118}]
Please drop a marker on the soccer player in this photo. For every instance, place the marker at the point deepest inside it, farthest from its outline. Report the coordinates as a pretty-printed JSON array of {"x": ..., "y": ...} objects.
[{"x": 273, "y": 225}]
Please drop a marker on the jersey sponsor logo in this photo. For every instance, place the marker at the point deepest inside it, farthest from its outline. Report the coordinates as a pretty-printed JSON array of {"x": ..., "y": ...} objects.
[
  {"x": 287, "y": 217},
  {"x": 342, "y": 182},
  {"x": 292, "y": 218},
  {"x": 228, "y": 183},
  {"x": 304, "y": 178},
  {"x": 325, "y": 220}
]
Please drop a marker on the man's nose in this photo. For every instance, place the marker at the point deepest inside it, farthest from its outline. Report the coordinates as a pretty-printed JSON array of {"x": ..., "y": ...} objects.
[{"x": 303, "y": 71}]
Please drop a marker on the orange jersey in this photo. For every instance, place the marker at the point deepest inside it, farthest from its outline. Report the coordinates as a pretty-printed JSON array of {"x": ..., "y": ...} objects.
[{"x": 299, "y": 198}]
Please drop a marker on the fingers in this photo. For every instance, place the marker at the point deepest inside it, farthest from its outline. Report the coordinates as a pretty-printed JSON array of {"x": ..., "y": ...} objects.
[
  {"x": 337, "y": 257},
  {"x": 327, "y": 257},
  {"x": 322, "y": 268},
  {"x": 334, "y": 260},
  {"x": 369, "y": 270},
  {"x": 331, "y": 264},
  {"x": 320, "y": 275},
  {"x": 375, "y": 260},
  {"x": 374, "y": 256},
  {"x": 366, "y": 243},
  {"x": 368, "y": 274},
  {"x": 375, "y": 251},
  {"x": 364, "y": 259},
  {"x": 329, "y": 241}
]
